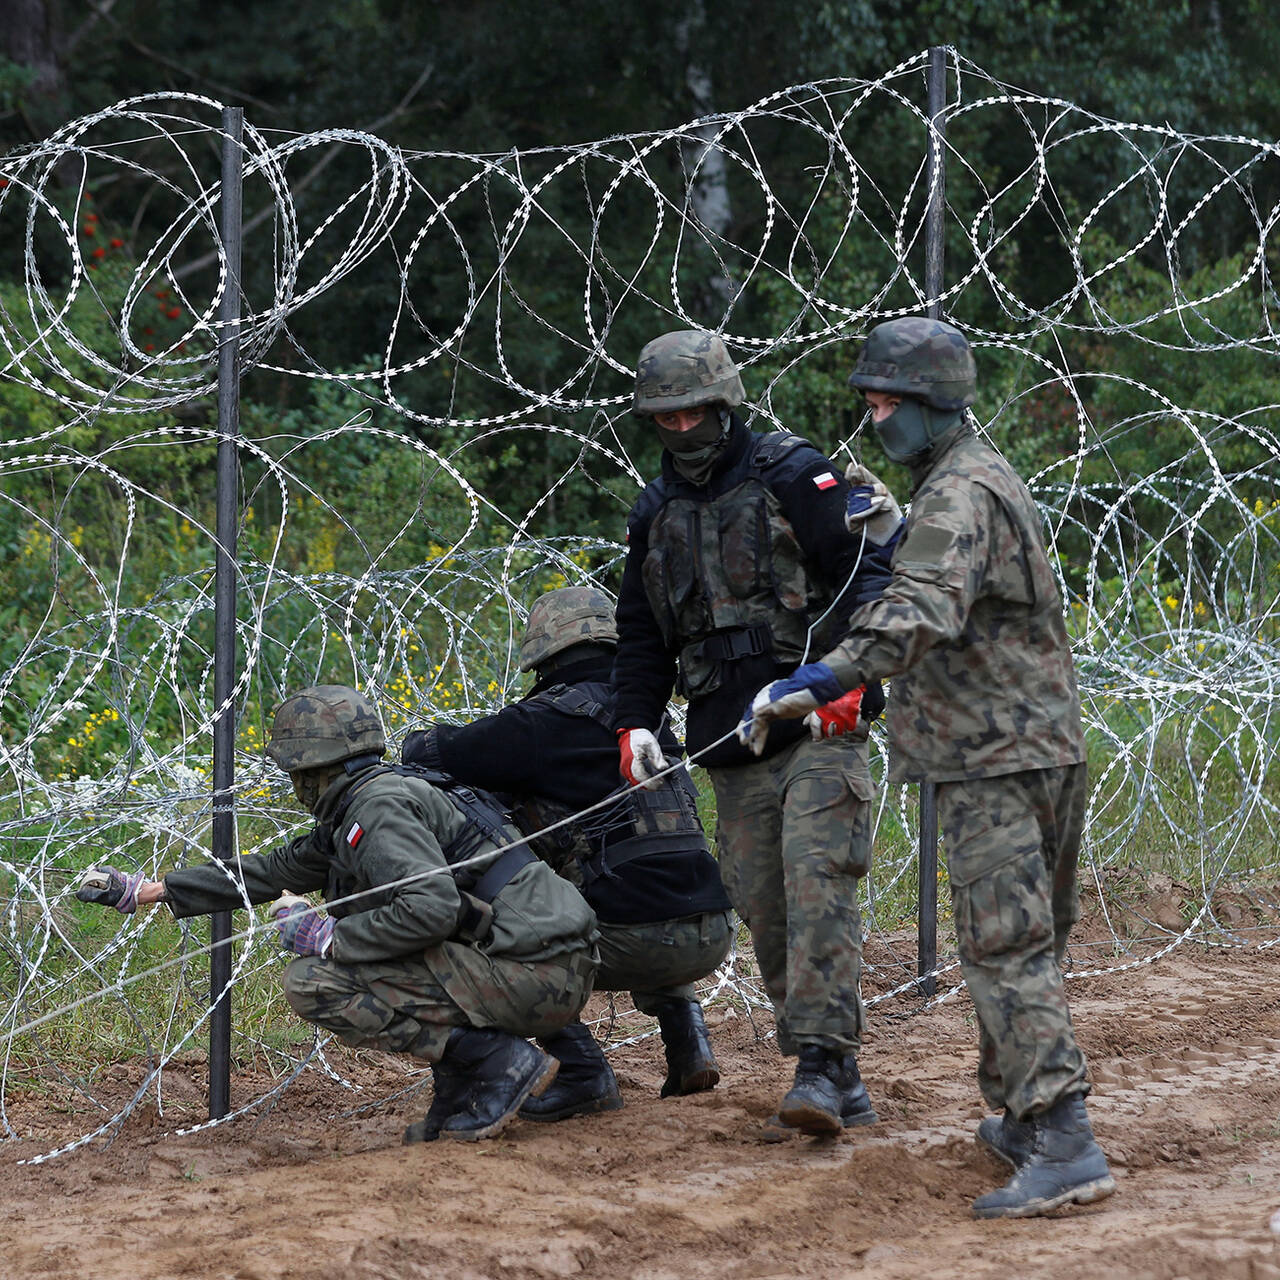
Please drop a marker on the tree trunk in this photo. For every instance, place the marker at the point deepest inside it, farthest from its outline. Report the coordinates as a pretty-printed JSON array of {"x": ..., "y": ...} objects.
[{"x": 709, "y": 200}]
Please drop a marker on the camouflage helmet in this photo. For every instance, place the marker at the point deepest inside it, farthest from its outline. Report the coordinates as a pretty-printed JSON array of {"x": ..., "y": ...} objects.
[
  {"x": 929, "y": 360},
  {"x": 683, "y": 370},
  {"x": 324, "y": 725},
  {"x": 562, "y": 618}
]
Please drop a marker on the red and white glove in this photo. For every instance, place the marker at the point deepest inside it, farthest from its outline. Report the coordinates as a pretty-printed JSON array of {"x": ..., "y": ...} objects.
[
  {"x": 641, "y": 758},
  {"x": 836, "y": 718}
]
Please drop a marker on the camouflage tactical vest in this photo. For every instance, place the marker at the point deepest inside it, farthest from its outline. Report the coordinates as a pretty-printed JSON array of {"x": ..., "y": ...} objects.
[
  {"x": 635, "y": 824},
  {"x": 725, "y": 575}
]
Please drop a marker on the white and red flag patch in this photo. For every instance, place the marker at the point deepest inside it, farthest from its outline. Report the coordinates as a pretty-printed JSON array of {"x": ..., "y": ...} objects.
[
  {"x": 825, "y": 481},
  {"x": 353, "y": 836}
]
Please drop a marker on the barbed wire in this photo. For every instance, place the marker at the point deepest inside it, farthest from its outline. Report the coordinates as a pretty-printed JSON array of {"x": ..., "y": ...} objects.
[{"x": 401, "y": 512}]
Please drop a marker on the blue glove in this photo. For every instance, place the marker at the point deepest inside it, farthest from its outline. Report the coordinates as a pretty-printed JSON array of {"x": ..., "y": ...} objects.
[
  {"x": 870, "y": 508},
  {"x": 304, "y": 931},
  {"x": 107, "y": 887},
  {"x": 805, "y": 689}
]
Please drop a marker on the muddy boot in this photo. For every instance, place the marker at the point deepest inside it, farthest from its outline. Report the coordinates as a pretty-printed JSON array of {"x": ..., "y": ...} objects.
[
  {"x": 500, "y": 1072},
  {"x": 855, "y": 1106},
  {"x": 1065, "y": 1165},
  {"x": 814, "y": 1102},
  {"x": 1007, "y": 1139},
  {"x": 691, "y": 1066},
  {"x": 584, "y": 1084},
  {"x": 447, "y": 1093}
]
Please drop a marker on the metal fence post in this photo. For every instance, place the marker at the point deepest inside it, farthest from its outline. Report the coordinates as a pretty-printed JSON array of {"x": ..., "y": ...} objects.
[
  {"x": 934, "y": 253},
  {"x": 224, "y": 614}
]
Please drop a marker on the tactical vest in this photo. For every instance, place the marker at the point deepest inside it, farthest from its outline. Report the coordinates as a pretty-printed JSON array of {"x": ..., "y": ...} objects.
[
  {"x": 486, "y": 820},
  {"x": 636, "y": 824},
  {"x": 725, "y": 575}
]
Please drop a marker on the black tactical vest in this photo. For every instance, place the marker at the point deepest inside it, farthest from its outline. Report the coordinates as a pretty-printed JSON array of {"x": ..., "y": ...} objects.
[
  {"x": 634, "y": 824},
  {"x": 725, "y": 575}
]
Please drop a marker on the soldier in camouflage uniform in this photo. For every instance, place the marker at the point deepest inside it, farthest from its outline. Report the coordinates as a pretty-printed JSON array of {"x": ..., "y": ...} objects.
[
  {"x": 738, "y": 564},
  {"x": 429, "y": 947},
  {"x": 984, "y": 704},
  {"x": 641, "y": 859}
]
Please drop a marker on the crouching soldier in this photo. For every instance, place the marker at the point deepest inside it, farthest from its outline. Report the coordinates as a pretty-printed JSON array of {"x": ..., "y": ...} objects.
[
  {"x": 641, "y": 860},
  {"x": 428, "y": 948}
]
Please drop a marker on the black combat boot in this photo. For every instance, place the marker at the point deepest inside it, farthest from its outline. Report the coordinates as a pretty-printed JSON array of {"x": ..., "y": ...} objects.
[
  {"x": 584, "y": 1084},
  {"x": 853, "y": 1104},
  {"x": 1007, "y": 1139},
  {"x": 500, "y": 1071},
  {"x": 446, "y": 1096},
  {"x": 1064, "y": 1165},
  {"x": 691, "y": 1066}
]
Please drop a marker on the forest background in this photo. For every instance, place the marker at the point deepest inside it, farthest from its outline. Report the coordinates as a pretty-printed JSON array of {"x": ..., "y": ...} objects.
[{"x": 490, "y": 76}]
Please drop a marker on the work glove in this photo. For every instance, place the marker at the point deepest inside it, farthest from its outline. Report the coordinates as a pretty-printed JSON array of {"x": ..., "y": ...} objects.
[
  {"x": 302, "y": 929},
  {"x": 806, "y": 688},
  {"x": 107, "y": 887},
  {"x": 870, "y": 507},
  {"x": 641, "y": 758},
  {"x": 836, "y": 718}
]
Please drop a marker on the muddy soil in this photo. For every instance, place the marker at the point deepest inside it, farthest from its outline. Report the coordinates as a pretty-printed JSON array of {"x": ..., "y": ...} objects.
[{"x": 1185, "y": 1056}]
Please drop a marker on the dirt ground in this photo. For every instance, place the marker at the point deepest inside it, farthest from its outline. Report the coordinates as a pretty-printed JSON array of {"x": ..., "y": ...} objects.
[{"x": 1186, "y": 1066}]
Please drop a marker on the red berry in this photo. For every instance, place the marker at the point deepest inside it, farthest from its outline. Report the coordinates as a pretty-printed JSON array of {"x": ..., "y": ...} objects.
[
  {"x": 174, "y": 312},
  {"x": 90, "y": 229},
  {"x": 99, "y": 252},
  {"x": 117, "y": 243}
]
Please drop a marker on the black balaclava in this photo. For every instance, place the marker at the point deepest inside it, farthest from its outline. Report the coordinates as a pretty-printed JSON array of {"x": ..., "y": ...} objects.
[{"x": 694, "y": 452}]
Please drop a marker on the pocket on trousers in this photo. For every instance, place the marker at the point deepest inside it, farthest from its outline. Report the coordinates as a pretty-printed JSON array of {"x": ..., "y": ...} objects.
[
  {"x": 832, "y": 809},
  {"x": 1004, "y": 909}
]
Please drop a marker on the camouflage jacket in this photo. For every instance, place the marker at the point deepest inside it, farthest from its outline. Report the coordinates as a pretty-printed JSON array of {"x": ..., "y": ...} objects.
[
  {"x": 970, "y": 629},
  {"x": 390, "y": 852}
]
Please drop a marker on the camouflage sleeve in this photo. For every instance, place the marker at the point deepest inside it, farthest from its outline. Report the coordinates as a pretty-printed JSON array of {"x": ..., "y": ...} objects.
[{"x": 938, "y": 570}]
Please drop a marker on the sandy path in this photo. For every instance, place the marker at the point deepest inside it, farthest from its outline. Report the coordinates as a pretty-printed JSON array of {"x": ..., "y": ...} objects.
[{"x": 1185, "y": 1054}]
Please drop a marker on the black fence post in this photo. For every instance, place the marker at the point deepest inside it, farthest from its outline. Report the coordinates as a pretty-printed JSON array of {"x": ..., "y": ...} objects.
[
  {"x": 934, "y": 253},
  {"x": 224, "y": 613}
]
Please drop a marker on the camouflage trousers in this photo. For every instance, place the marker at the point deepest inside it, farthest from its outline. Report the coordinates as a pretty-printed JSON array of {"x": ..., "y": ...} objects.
[
  {"x": 794, "y": 837},
  {"x": 662, "y": 961},
  {"x": 1012, "y": 844},
  {"x": 411, "y": 1005}
]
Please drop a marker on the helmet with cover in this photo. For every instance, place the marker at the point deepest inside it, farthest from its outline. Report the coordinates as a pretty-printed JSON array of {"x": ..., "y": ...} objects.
[
  {"x": 683, "y": 370},
  {"x": 928, "y": 360},
  {"x": 564, "y": 618},
  {"x": 322, "y": 726}
]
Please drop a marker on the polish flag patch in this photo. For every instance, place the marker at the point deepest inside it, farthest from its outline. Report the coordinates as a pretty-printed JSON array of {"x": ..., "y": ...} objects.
[
  {"x": 353, "y": 836},
  {"x": 825, "y": 481}
]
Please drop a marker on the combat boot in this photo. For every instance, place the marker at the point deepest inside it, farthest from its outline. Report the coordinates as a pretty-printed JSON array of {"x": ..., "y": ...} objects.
[
  {"x": 500, "y": 1072},
  {"x": 1065, "y": 1165},
  {"x": 584, "y": 1084},
  {"x": 691, "y": 1066},
  {"x": 816, "y": 1099},
  {"x": 1007, "y": 1139},
  {"x": 447, "y": 1093},
  {"x": 855, "y": 1106}
]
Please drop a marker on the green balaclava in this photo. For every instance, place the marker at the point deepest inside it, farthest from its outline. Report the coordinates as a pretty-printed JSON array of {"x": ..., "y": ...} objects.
[{"x": 913, "y": 427}]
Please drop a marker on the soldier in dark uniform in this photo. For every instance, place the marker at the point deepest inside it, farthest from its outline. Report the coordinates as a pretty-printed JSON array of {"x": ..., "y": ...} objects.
[
  {"x": 984, "y": 704},
  {"x": 429, "y": 947},
  {"x": 739, "y": 564},
  {"x": 641, "y": 859}
]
